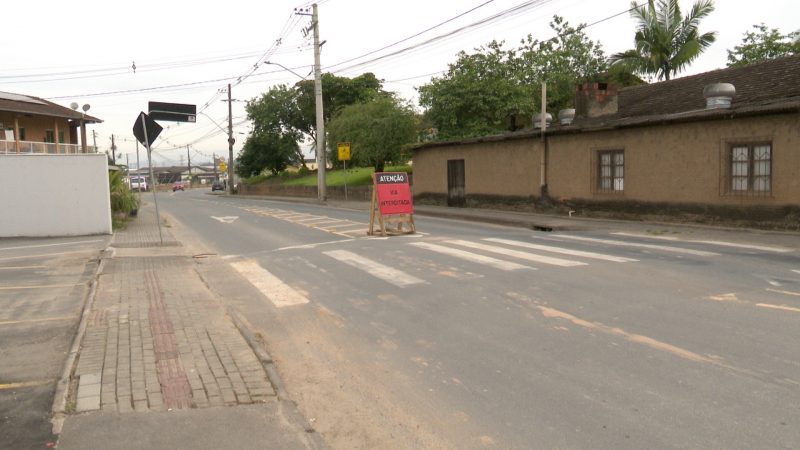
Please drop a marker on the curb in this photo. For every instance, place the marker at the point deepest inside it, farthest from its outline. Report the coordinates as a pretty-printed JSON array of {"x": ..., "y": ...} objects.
[
  {"x": 267, "y": 363},
  {"x": 62, "y": 388}
]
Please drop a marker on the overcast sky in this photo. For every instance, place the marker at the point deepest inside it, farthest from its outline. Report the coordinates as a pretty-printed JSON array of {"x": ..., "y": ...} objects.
[{"x": 188, "y": 51}]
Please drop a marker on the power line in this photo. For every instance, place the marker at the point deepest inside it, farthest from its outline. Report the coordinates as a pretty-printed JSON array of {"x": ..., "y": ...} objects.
[
  {"x": 488, "y": 20},
  {"x": 413, "y": 35},
  {"x": 577, "y": 29},
  {"x": 116, "y": 70}
]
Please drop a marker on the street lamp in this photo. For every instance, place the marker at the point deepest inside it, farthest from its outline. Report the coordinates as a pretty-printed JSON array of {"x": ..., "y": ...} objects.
[
  {"x": 286, "y": 68},
  {"x": 320, "y": 144}
]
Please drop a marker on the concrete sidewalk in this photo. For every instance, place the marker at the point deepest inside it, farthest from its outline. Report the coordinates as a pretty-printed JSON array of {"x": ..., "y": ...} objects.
[{"x": 162, "y": 365}]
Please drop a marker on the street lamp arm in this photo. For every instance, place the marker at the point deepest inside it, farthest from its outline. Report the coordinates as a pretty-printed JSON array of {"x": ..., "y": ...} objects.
[
  {"x": 285, "y": 68},
  {"x": 214, "y": 122}
]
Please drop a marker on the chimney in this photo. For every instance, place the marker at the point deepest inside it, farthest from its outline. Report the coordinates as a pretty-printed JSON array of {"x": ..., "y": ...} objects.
[
  {"x": 719, "y": 95},
  {"x": 595, "y": 99}
]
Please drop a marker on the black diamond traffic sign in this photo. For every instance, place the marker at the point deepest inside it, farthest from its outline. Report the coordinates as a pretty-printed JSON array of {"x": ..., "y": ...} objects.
[{"x": 153, "y": 129}]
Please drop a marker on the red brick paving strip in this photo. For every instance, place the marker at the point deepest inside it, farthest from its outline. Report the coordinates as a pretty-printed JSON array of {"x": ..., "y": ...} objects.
[{"x": 174, "y": 384}]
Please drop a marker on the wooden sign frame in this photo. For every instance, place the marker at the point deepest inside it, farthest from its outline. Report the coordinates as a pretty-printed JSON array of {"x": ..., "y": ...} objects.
[{"x": 396, "y": 215}]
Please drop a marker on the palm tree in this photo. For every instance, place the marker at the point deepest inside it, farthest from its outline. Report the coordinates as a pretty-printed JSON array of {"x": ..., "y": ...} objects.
[{"x": 666, "y": 42}]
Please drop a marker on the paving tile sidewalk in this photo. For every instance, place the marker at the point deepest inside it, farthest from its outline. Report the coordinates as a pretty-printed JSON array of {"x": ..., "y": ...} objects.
[{"x": 158, "y": 339}]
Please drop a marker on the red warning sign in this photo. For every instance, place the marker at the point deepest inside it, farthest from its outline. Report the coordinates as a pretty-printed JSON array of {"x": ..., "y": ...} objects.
[{"x": 394, "y": 193}]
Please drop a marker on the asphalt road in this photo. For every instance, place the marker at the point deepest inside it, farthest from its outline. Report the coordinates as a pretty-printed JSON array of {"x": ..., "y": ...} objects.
[
  {"x": 43, "y": 284},
  {"x": 473, "y": 335}
]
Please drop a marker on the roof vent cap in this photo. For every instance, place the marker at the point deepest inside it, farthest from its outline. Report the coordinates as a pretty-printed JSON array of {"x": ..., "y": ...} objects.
[
  {"x": 719, "y": 95},
  {"x": 566, "y": 116},
  {"x": 537, "y": 120}
]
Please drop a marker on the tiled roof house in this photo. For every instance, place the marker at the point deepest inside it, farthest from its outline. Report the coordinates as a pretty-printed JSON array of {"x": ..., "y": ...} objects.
[
  {"x": 34, "y": 125},
  {"x": 656, "y": 145}
]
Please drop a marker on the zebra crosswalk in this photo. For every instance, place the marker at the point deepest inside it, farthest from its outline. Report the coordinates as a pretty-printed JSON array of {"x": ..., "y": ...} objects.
[
  {"x": 340, "y": 227},
  {"x": 470, "y": 258},
  {"x": 473, "y": 257},
  {"x": 374, "y": 268}
]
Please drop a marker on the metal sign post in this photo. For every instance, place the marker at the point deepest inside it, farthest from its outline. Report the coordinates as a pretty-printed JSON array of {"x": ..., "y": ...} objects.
[
  {"x": 150, "y": 165},
  {"x": 344, "y": 156},
  {"x": 146, "y": 130}
]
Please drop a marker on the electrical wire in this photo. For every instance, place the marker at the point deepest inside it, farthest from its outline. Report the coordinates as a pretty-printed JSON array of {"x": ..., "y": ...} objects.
[
  {"x": 488, "y": 20},
  {"x": 412, "y": 36}
]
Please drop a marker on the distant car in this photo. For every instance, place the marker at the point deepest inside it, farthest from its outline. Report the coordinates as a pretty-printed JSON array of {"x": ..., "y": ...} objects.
[
  {"x": 217, "y": 186},
  {"x": 178, "y": 186},
  {"x": 138, "y": 184}
]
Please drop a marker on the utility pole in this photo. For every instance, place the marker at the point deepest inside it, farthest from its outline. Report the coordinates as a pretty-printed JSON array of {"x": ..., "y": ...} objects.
[
  {"x": 127, "y": 163},
  {"x": 320, "y": 126},
  {"x": 113, "y": 151},
  {"x": 543, "y": 166},
  {"x": 189, "y": 166},
  {"x": 214, "y": 163},
  {"x": 231, "y": 141},
  {"x": 321, "y": 157}
]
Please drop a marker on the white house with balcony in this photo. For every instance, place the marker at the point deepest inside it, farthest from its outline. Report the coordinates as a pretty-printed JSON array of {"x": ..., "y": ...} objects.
[
  {"x": 51, "y": 182},
  {"x": 34, "y": 125}
]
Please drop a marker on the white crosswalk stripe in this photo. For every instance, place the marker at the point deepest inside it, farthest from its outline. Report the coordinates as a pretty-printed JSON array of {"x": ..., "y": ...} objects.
[
  {"x": 563, "y": 251},
  {"x": 278, "y": 292},
  {"x": 637, "y": 244},
  {"x": 472, "y": 257},
  {"x": 376, "y": 269},
  {"x": 764, "y": 248},
  {"x": 517, "y": 254}
]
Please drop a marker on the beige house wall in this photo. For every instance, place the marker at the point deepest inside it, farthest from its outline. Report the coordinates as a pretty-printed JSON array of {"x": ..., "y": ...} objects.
[
  {"x": 503, "y": 168},
  {"x": 672, "y": 163},
  {"x": 678, "y": 163}
]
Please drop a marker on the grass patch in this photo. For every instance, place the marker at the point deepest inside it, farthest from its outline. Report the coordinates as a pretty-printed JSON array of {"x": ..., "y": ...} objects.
[{"x": 358, "y": 176}]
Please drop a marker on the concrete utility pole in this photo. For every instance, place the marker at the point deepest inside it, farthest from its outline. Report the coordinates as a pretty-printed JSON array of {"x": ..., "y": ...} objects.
[
  {"x": 321, "y": 157},
  {"x": 113, "y": 151},
  {"x": 189, "y": 165},
  {"x": 543, "y": 124},
  {"x": 231, "y": 141},
  {"x": 214, "y": 163}
]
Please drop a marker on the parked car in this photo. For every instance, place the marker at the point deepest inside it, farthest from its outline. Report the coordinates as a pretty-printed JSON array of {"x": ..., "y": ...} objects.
[
  {"x": 178, "y": 186},
  {"x": 217, "y": 186},
  {"x": 138, "y": 183}
]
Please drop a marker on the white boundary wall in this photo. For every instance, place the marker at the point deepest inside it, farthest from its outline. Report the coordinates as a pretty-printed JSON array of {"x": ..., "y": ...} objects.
[{"x": 54, "y": 195}]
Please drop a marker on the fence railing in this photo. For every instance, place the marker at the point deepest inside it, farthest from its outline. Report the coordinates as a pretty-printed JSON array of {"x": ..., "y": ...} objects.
[{"x": 28, "y": 147}]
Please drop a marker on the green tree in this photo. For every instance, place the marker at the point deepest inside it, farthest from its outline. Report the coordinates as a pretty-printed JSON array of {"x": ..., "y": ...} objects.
[
  {"x": 337, "y": 92},
  {"x": 562, "y": 61},
  {"x": 481, "y": 93},
  {"x": 270, "y": 151},
  {"x": 285, "y": 117},
  {"x": 477, "y": 95},
  {"x": 377, "y": 130},
  {"x": 666, "y": 42},
  {"x": 277, "y": 113},
  {"x": 763, "y": 44}
]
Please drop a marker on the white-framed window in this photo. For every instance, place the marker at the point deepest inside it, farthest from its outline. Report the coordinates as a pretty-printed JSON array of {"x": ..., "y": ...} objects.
[
  {"x": 750, "y": 168},
  {"x": 611, "y": 171}
]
